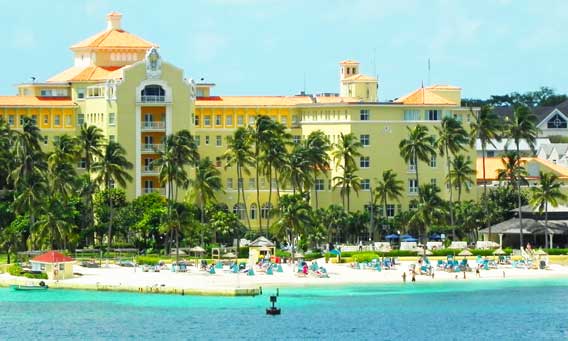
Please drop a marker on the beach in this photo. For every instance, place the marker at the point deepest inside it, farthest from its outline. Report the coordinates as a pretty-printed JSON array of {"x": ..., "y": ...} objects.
[{"x": 112, "y": 277}]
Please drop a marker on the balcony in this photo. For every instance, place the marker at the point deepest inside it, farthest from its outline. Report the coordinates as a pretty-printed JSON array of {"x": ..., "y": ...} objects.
[
  {"x": 153, "y": 99},
  {"x": 159, "y": 190},
  {"x": 150, "y": 170},
  {"x": 152, "y": 148},
  {"x": 153, "y": 125}
]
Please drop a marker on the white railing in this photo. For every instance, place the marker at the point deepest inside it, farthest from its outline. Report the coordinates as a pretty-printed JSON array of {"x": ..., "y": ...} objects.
[
  {"x": 153, "y": 125},
  {"x": 149, "y": 169},
  {"x": 411, "y": 168},
  {"x": 152, "y": 147},
  {"x": 153, "y": 99},
  {"x": 161, "y": 191}
]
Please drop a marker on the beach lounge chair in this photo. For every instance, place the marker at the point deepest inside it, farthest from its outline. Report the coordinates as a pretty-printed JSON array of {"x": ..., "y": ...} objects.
[
  {"x": 279, "y": 269},
  {"x": 235, "y": 269},
  {"x": 250, "y": 272},
  {"x": 212, "y": 270},
  {"x": 269, "y": 270}
]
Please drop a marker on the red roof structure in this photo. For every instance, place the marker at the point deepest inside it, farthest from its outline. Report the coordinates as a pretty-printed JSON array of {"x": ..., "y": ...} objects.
[{"x": 52, "y": 257}]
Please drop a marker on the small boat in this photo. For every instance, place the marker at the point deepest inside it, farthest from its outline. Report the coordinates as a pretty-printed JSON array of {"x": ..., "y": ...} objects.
[{"x": 30, "y": 287}]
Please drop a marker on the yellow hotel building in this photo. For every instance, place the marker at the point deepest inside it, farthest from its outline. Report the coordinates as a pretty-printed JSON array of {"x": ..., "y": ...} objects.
[{"x": 120, "y": 83}]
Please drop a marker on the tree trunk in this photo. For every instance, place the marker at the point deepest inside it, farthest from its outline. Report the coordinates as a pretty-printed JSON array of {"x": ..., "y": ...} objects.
[
  {"x": 269, "y": 197},
  {"x": 316, "y": 191},
  {"x": 519, "y": 202},
  {"x": 277, "y": 184},
  {"x": 546, "y": 225},
  {"x": 451, "y": 194},
  {"x": 202, "y": 217},
  {"x": 110, "y": 216},
  {"x": 485, "y": 188},
  {"x": 241, "y": 187}
]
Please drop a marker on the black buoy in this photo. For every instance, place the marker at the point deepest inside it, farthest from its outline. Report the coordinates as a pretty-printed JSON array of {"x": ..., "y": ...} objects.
[{"x": 273, "y": 310}]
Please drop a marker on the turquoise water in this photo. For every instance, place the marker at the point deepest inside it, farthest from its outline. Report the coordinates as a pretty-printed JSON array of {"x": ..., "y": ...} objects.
[{"x": 491, "y": 310}]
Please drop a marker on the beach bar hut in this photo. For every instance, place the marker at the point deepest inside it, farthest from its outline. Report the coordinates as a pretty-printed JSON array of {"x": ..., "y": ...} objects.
[
  {"x": 259, "y": 248},
  {"x": 56, "y": 265}
]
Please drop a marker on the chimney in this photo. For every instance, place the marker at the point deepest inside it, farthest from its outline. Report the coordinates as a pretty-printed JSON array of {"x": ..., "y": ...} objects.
[{"x": 113, "y": 21}]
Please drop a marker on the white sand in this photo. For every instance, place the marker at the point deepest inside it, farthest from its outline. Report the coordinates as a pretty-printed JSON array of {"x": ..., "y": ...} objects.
[{"x": 118, "y": 278}]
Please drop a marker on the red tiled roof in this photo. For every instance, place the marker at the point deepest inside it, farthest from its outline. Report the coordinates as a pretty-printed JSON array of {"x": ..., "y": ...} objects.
[
  {"x": 52, "y": 257},
  {"x": 33, "y": 101}
]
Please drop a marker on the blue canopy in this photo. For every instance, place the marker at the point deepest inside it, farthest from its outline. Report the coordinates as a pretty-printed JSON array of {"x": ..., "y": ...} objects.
[
  {"x": 411, "y": 240},
  {"x": 391, "y": 236},
  {"x": 435, "y": 236},
  {"x": 406, "y": 236},
  {"x": 335, "y": 252}
]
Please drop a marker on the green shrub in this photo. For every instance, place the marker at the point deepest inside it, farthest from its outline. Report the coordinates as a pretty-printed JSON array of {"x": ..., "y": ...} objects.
[
  {"x": 363, "y": 257},
  {"x": 41, "y": 275},
  {"x": 556, "y": 252},
  {"x": 312, "y": 255},
  {"x": 283, "y": 254},
  {"x": 148, "y": 260},
  {"x": 244, "y": 252},
  {"x": 400, "y": 253},
  {"x": 15, "y": 270}
]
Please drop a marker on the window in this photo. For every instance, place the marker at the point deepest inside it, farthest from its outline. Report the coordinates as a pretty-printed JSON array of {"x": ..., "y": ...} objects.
[
  {"x": 34, "y": 119},
  {"x": 412, "y": 186},
  {"x": 253, "y": 211},
  {"x": 318, "y": 184},
  {"x": 111, "y": 119},
  {"x": 240, "y": 120},
  {"x": 265, "y": 210},
  {"x": 229, "y": 120},
  {"x": 11, "y": 119},
  {"x": 218, "y": 162},
  {"x": 364, "y": 161},
  {"x": 46, "y": 118},
  {"x": 96, "y": 91},
  {"x": 297, "y": 139},
  {"x": 295, "y": 120},
  {"x": 112, "y": 138},
  {"x": 53, "y": 92},
  {"x": 196, "y": 120},
  {"x": 240, "y": 183},
  {"x": 364, "y": 139},
  {"x": 556, "y": 122},
  {"x": 252, "y": 119},
  {"x": 207, "y": 140},
  {"x": 433, "y": 182},
  {"x": 413, "y": 205},
  {"x": 57, "y": 120},
  {"x": 81, "y": 93},
  {"x": 207, "y": 120},
  {"x": 239, "y": 210},
  {"x": 366, "y": 184},
  {"x": 56, "y": 139},
  {"x": 197, "y": 140},
  {"x": 80, "y": 119},
  {"x": 153, "y": 93},
  {"x": 45, "y": 140},
  {"x": 217, "y": 120},
  {"x": 433, "y": 161},
  {"x": 364, "y": 114},
  {"x": 82, "y": 164},
  {"x": 229, "y": 183},
  {"x": 390, "y": 210},
  {"x": 411, "y": 115},
  {"x": 284, "y": 120},
  {"x": 218, "y": 141},
  {"x": 412, "y": 166},
  {"x": 68, "y": 120},
  {"x": 433, "y": 115},
  {"x": 251, "y": 183}
]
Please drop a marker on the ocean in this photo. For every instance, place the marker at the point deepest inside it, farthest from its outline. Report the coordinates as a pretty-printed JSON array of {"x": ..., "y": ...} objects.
[{"x": 460, "y": 310}]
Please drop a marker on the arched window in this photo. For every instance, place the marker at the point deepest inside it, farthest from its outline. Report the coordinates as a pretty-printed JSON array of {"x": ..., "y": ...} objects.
[
  {"x": 253, "y": 211},
  {"x": 153, "y": 93},
  {"x": 239, "y": 210},
  {"x": 265, "y": 210},
  {"x": 556, "y": 122}
]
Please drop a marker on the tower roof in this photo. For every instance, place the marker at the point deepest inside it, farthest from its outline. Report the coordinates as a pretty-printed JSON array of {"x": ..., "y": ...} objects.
[
  {"x": 114, "y": 37},
  {"x": 348, "y": 61},
  {"x": 427, "y": 96}
]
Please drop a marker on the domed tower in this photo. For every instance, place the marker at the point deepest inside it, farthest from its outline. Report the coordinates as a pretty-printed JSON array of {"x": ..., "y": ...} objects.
[{"x": 354, "y": 84}]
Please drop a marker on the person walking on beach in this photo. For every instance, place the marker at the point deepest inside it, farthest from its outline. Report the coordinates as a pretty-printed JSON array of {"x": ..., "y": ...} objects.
[
  {"x": 413, "y": 277},
  {"x": 404, "y": 277}
]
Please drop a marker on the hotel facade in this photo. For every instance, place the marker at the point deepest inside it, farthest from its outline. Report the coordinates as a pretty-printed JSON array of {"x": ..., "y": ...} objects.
[{"x": 121, "y": 84}]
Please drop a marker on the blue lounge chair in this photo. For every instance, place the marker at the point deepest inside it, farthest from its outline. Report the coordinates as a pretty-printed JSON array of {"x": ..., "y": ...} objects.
[
  {"x": 279, "y": 269},
  {"x": 212, "y": 270},
  {"x": 219, "y": 265},
  {"x": 269, "y": 270},
  {"x": 250, "y": 272}
]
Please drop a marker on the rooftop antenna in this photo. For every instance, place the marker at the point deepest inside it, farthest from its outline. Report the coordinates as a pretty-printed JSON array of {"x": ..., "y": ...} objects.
[
  {"x": 33, "y": 79},
  {"x": 429, "y": 72}
]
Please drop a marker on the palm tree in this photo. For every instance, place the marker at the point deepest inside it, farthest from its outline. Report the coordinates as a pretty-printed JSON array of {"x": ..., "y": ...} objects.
[
  {"x": 548, "y": 192},
  {"x": 318, "y": 147},
  {"x": 239, "y": 154},
  {"x": 451, "y": 139},
  {"x": 261, "y": 134},
  {"x": 522, "y": 126},
  {"x": 344, "y": 153},
  {"x": 388, "y": 188},
  {"x": 206, "y": 183},
  {"x": 431, "y": 208},
  {"x": 61, "y": 166},
  {"x": 111, "y": 168},
  {"x": 418, "y": 146},
  {"x": 91, "y": 139},
  {"x": 296, "y": 171},
  {"x": 487, "y": 128},
  {"x": 293, "y": 219},
  {"x": 461, "y": 174},
  {"x": 347, "y": 181}
]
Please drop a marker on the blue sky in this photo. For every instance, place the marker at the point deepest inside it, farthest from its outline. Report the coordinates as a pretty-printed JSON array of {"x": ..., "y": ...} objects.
[{"x": 265, "y": 47}]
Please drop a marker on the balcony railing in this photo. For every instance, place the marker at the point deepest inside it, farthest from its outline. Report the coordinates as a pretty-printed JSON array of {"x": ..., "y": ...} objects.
[
  {"x": 411, "y": 168},
  {"x": 149, "y": 170},
  {"x": 161, "y": 191},
  {"x": 153, "y": 99},
  {"x": 153, "y": 125},
  {"x": 152, "y": 148}
]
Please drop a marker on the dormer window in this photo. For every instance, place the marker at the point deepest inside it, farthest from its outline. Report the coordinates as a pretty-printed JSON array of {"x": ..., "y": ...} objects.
[
  {"x": 557, "y": 122},
  {"x": 153, "y": 93}
]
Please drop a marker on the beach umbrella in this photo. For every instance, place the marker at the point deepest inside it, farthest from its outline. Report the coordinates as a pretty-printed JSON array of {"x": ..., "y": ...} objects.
[
  {"x": 465, "y": 252},
  {"x": 435, "y": 236},
  {"x": 411, "y": 239},
  {"x": 197, "y": 249},
  {"x": 540, "y": 252},
  {"x": 391, "y": 236},
  {"x": 499, "y": 252},
  {"x": 406, "y": 236},
  {"x": 335, "y": 252},
  {"x": 229, "y": 255}
]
